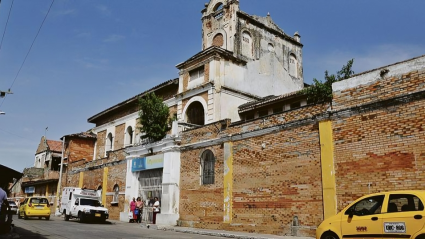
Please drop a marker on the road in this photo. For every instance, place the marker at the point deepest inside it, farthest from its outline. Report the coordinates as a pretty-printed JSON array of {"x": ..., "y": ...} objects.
[{"x": 56, "y": 227}]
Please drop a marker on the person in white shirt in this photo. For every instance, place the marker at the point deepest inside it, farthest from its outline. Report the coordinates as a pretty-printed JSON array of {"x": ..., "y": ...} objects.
[{"x": 155, "y": 209}]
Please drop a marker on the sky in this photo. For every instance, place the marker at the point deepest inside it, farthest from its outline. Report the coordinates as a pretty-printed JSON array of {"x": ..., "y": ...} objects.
[{"x": 91, "y": 55}]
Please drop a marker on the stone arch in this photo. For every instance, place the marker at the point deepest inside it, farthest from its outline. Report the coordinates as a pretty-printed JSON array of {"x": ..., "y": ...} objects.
[
  {"x": 218, "y": 6},
  {"x": 247, "y": 44},
  {"x": 218, "y": 40},
  {"x": 214, "y": 34},
  {"x": 293, "y": 65},
  {"x": 129, "y": 136},
  {"x": 192, "y": 100},
  {"x": 109, "y": 144}
]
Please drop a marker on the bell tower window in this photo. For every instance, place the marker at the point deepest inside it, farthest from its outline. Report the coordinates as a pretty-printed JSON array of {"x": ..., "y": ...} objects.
[{"x": 218, "y": 40}]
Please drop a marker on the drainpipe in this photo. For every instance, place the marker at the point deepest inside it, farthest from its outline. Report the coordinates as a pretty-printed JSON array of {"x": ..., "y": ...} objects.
[{"x": 60, "y": 179}]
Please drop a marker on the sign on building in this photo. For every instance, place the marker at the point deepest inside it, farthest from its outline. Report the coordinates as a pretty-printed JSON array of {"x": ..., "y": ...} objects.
[{"x": 145, "y": 163}]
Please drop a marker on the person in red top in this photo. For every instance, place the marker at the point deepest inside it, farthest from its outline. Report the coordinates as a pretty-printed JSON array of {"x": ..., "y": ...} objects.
[{"x": 132, "y": 207}]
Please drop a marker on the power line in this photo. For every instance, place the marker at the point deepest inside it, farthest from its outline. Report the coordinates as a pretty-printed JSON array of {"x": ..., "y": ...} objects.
[
  {"x": 13, "y": 134},
  {"x": 4, "y": 32},
  {"x": 26, "y": 56}
]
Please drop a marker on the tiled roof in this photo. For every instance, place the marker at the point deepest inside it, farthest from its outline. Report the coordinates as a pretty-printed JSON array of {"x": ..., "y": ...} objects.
[
  {"x": 266, "y": 100},
  {"x": 55, "y": 146},
  {"x": 88, "y": 135},
  {"x": 133, "y": 99}
]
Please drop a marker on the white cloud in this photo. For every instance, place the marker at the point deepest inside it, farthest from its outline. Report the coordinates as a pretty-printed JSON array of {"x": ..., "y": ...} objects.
[
  {"x": 104, "y": 10},
  {"x": 114, "y": 38}
]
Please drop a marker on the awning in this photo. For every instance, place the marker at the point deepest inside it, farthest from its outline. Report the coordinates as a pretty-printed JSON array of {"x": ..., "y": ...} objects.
[{"x": 39, "y": 182}]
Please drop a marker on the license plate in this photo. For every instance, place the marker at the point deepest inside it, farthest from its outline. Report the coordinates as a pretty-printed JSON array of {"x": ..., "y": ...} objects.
[
  {"x": 97, "y": 215},
  {"x": 395, "y": 227},
  {"x": 39, "y": 207}
]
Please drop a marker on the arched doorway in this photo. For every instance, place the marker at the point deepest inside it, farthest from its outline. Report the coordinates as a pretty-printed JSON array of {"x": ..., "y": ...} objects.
[{"x": 195, "y": 113}]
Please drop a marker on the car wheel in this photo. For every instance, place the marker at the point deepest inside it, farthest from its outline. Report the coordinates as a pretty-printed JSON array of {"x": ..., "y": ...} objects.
[
  {"x": 81, "y": 217},
  {"x": 329, "y": 235},
  {"x": 48, "y": 218},
  {"x": 66, "y": 218},
  {"x": 19, "y": 216},
  {"x": 25, "y": 216}
]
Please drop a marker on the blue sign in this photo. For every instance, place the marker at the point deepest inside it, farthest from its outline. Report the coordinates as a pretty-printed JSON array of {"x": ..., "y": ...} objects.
[
  {"x": 138, "y": 164},
  {"x": 30, "y": 190},
  {"x": 151, "y": 162}
]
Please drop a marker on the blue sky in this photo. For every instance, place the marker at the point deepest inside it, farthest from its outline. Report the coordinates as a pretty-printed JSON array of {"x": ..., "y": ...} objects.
[{"x": 91, "y": 55}]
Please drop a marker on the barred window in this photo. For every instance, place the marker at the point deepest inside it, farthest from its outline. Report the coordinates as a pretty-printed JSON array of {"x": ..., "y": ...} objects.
[{"x": 208, "y": 164}]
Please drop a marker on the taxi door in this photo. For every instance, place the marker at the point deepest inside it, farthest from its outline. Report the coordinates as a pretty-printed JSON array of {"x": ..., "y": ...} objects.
[
  {"x": 363, "y": 219},
  {"x": 404, "y": 216}
]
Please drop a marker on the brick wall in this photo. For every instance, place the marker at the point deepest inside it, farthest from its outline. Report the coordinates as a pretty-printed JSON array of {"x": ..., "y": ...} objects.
[
  {"x": 79, "y": 148},
  {"x": 100, "y": 144},
  {"x": 380, "y": 89},
  {"x": 276, "y": 176},
  {"x": 380, "y": 147},
  {"x": 119, "y": 136}
]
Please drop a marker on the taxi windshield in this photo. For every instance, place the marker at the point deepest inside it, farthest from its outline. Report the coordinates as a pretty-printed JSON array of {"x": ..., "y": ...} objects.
[{"x": 90, "y": 202}]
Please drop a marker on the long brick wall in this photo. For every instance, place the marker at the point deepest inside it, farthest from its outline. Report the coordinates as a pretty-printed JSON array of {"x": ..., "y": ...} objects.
[
  {"x": 380, "y": 147},
  {"x": 276, "y": 175}
]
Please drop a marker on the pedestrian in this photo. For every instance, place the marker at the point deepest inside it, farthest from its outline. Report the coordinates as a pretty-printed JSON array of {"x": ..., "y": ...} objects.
[
  {"x": 132, "y": 208},
  {"x": 156, "y": 209},
  {"x": 4, "y": 206},
  {"x": 139, "y": 206}
]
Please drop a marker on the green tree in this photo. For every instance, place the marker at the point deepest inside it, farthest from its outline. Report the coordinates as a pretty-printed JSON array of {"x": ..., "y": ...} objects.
[
  {"x": 153, "y": 117},
  {"x": 322, "y": 91}
]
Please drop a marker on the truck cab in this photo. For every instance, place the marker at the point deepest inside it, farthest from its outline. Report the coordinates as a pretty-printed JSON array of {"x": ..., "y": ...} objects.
[{"x": 83, "y": 204}]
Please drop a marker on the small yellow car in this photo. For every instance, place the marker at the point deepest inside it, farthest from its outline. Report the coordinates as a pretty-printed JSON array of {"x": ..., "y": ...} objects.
[
  {"x": 395, "y": 214},
  {"x": 35, "y": 207}
]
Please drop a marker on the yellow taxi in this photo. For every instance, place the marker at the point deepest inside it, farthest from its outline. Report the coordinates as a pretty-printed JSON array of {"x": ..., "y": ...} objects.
[
  {"x": 35, "y": 207},
  {"x": 396, "y": 214}
]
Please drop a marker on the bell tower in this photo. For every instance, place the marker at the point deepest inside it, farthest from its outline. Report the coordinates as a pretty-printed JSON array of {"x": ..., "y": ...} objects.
[{"x": 219, "y": 24}]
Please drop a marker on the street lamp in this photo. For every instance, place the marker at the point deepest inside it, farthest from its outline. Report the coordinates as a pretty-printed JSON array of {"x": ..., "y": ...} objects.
[{"x": 3, "y": 93}]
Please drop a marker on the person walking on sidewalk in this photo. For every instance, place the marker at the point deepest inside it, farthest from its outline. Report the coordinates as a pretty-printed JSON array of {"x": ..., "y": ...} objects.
[
  {"x": 139, "y": 206},
  {"x": 156, "y": 209}
]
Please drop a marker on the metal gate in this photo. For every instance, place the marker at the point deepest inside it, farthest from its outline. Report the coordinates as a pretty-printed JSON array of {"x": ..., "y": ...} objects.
[{"x": 150, "y": 187}]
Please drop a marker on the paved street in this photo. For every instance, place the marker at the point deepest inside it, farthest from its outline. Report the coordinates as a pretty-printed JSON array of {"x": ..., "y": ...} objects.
[{"x": 56, "y": 227}]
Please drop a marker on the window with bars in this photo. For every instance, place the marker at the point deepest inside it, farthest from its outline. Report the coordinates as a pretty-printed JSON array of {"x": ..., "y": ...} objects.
[{"x": 208, "y": 165}]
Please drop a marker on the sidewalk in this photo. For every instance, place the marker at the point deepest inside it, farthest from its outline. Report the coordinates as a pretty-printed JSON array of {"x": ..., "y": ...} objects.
[
  {"x": 228, "y": 234},
  {"x": 207, "y": 232}
]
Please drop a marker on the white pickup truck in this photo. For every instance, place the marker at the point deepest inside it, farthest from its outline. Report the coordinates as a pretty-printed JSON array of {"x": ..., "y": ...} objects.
[{"x": 83, "y": 204}]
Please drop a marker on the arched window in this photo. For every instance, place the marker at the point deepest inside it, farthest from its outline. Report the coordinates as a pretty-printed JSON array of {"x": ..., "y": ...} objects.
[
  {"x": 218, "y": 40},
  {"x": 293, "y": 65},
  {"x": 195, "y": 113},
  {"x": 109, "y": 141},
  {"x": 208, "y": 166},
  {"x": 129, "y": 136},
  {"x": 218, "y": 7},
  {"x": 116, "y": 193},
  {"x": 247, "y": 49},
  {"x": 270, "y": 47}
]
